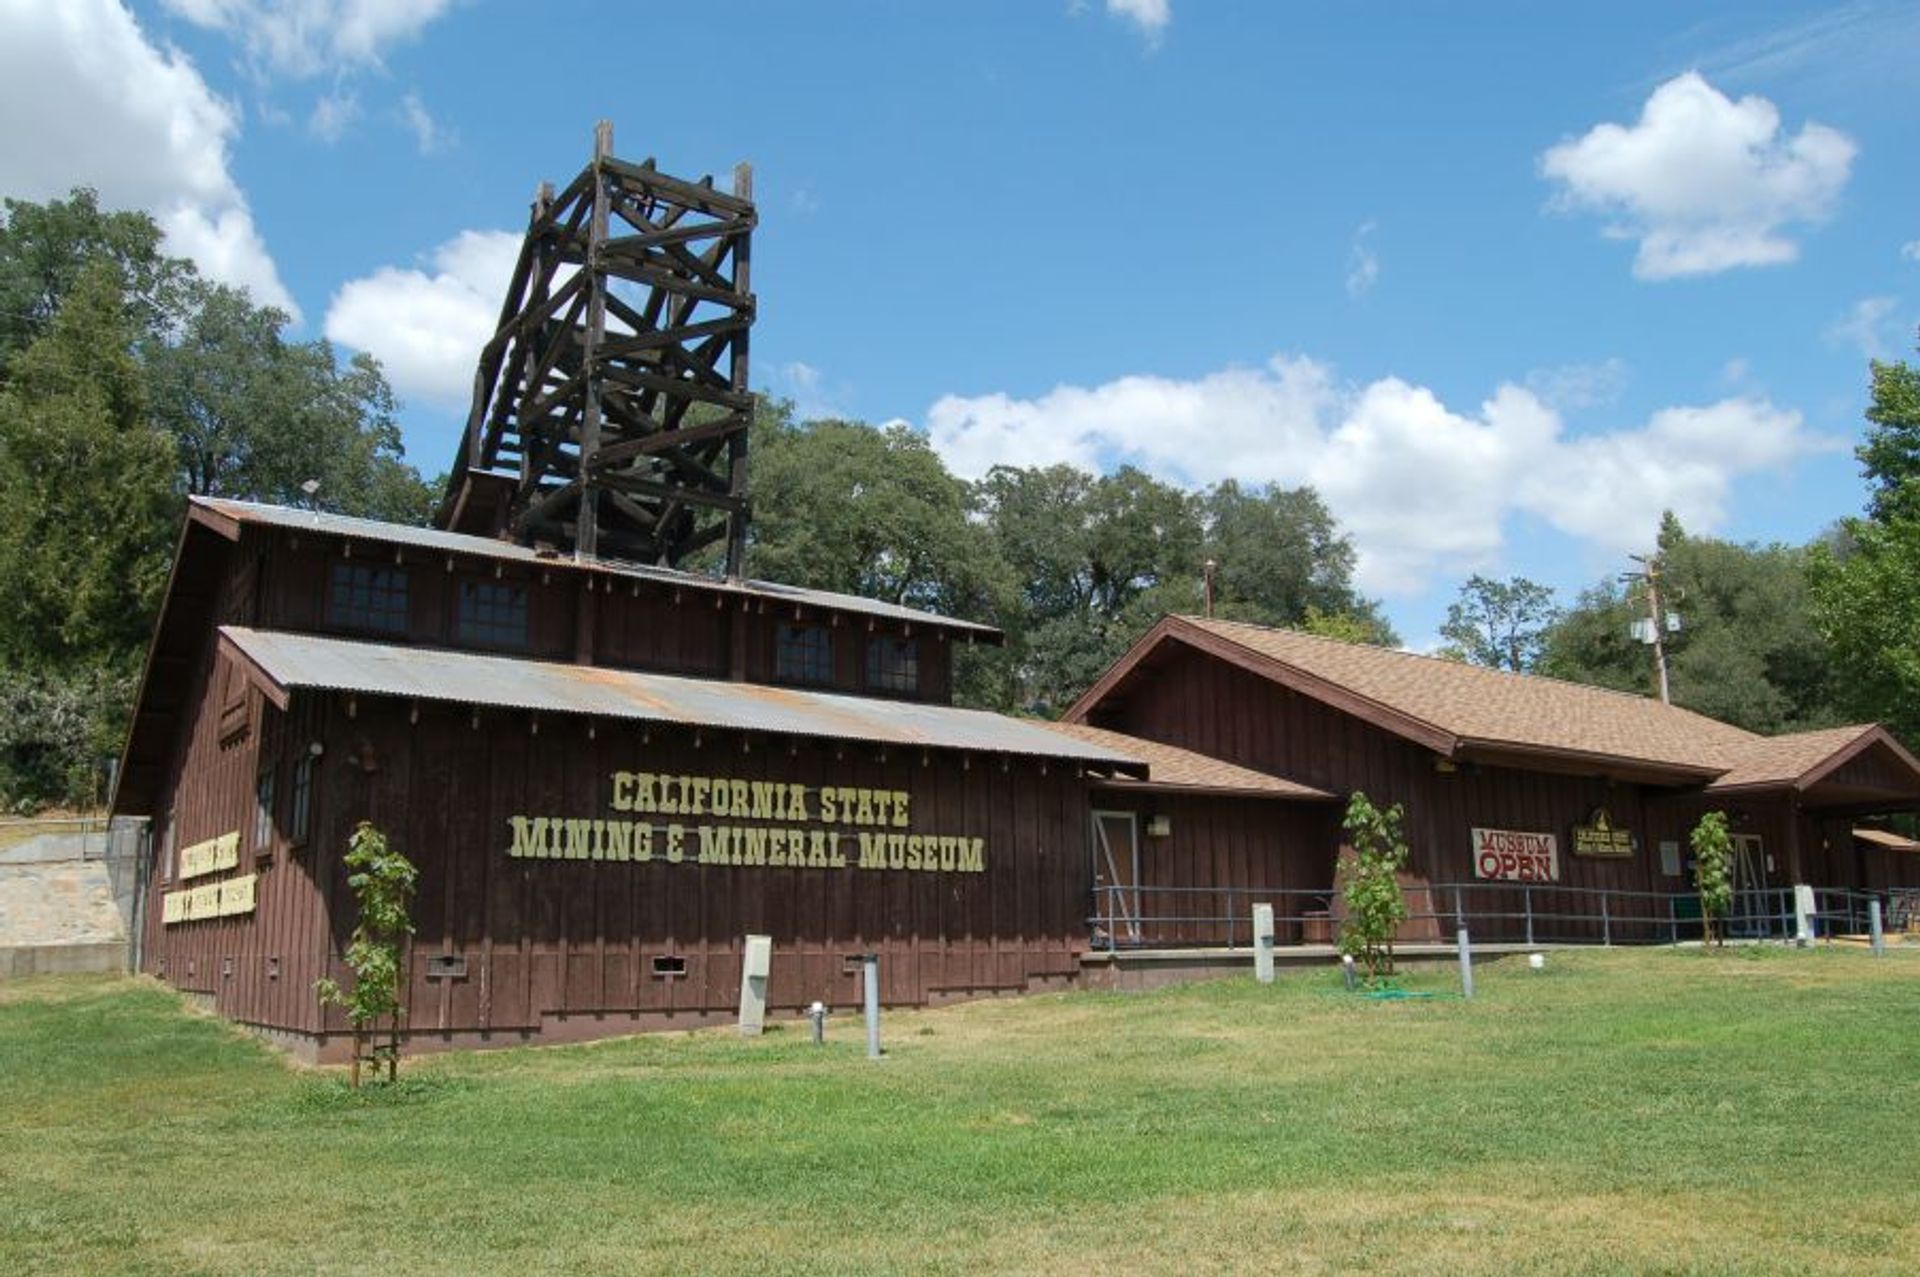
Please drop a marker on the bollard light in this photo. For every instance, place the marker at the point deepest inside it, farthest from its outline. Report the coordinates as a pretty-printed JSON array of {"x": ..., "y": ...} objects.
[
  {"x": 1346, "y": 970},
  {"x": 818, "y": 1014}
]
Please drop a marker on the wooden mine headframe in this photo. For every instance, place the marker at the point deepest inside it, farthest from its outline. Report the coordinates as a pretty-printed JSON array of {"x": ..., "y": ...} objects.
[{"x": 611, "y": 408}]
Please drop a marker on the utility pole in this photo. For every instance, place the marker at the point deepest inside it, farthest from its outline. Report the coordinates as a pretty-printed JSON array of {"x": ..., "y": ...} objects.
[{"x": 1656, "y": 617}]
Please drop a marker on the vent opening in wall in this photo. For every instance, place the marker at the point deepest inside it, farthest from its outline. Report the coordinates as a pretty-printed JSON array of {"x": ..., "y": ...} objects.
[
  {"x": 447, "y": 966},
  {"x": 669, "y": 966}
]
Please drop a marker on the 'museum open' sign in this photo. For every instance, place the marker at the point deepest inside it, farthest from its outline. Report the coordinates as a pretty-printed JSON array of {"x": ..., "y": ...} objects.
[{"x": 1511, "y": 855}]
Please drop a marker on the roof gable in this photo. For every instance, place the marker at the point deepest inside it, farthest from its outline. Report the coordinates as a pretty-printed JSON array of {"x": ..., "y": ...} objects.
[
  {"x": 1457, "y": 709},
  {"x": 1449, "y": 706}
]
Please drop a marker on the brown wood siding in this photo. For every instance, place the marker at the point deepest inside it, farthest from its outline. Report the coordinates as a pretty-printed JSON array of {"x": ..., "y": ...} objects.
[
  {"x": 258, "y": 968},
  {"x": 1221, "y": 856},
  {"x": 571, "y": 943},
  {"x": 578, "y": 616},
  {"x": 1205, "y": 704}
]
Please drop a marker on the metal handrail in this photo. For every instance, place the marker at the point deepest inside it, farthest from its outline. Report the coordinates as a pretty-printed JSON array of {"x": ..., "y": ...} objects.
[{"x": 1536, "y": 911}]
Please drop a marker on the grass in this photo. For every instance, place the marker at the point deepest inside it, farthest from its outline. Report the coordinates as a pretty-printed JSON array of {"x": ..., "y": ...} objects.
[{"x": 1749, "y": 1111}]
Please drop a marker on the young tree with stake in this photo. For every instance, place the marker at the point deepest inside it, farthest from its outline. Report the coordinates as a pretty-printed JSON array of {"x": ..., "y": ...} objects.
[
  {"x": 1371, "y": 891},
  {"x": 382, "y": 881}
]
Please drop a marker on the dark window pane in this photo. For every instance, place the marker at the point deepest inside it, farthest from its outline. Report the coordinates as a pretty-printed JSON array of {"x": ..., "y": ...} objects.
[
  {"x": 364, "y": 597},
  {"x": 492, "y": 614},
  {"x": 302, "y": 799},
  {"x": 263, "y": 811},
  {"x": 804, "y": 654},
  {"x": 893, "y": 665}
]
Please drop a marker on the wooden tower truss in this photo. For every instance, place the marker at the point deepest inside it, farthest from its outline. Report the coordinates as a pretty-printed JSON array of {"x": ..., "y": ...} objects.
[{"x": 611, "y": 407}]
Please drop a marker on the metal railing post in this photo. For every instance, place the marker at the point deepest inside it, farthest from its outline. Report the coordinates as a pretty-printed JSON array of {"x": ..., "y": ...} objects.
[
  {"x": 1873, "y": 923},
  {"x": 1606, "y": 922},
  {"x": 1673, "y": 919},
  {"x": 1459, "y": 910},
  {"x": 1526, "y": 902}
]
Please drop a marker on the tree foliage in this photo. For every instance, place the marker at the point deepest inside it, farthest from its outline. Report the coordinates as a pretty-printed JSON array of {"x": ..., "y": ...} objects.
[
  {"x": 1713, "y": 873},
  {"x": 1890, "y": 455},
  {"x": 126, "y": 382},
  {"x": 382, "y": 881},
  {"x": 45, "y": 248},
  {"x": 1073, "y": 567},
  {"x": 1100, "y": 558},
  {"x": 1370, "y": 884},
  {"x": 1748, "y": 650},
  {"x": 1866, "y": 578},
  {"x": 87, "y": 506},
  {"x": 1500, "y": 624},
  {"x": 256, "y": 416}
]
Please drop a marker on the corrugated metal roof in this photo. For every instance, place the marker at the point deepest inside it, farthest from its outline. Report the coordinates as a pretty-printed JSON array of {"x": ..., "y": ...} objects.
[
  {"x": 468, "y": 678},
  {"x": 441, "y": 541}
]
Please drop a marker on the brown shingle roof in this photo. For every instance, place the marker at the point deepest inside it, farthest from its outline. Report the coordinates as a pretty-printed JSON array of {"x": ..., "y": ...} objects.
[
  {"x": 1781, "y": 760},
  {"x": 1169, "y": 766},
  {"x": 1484, "y": 706}
]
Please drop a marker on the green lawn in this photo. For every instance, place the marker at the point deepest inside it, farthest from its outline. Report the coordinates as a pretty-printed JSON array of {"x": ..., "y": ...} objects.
[{"x": 1620, "y": 1112}]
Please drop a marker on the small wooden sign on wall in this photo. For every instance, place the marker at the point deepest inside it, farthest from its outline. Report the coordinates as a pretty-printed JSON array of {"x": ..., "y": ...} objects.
[{"x": 1598, "y": 837}]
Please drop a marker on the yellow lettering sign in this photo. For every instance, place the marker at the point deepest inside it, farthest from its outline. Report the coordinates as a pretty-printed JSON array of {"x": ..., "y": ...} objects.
[
  {"x": 784, "y": 832},
  {"x": 227, "y": 899}
]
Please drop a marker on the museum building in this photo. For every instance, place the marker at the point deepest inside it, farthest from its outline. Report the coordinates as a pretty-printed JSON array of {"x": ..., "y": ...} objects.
[{"x": 610, "y": 774}]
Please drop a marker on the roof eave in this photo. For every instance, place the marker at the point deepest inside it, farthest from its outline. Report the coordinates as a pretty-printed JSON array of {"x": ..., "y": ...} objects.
[
  {"x": 1212, "y": 791},
  {"x": 1179, "y": 629},
  {"x": 1643, "y": 770}
]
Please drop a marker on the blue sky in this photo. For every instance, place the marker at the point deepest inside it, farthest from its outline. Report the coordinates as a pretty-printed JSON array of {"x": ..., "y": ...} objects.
[{"x": 1502, "y": 280}]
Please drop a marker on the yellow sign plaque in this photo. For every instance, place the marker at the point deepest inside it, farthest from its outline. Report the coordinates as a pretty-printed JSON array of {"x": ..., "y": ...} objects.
[
  {"x": 226, "y": 899},
  {"x": 210, "y": 856}
]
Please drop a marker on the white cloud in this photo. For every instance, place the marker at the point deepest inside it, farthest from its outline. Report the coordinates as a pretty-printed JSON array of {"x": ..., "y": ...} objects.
[
  {"x": 1609, "y": 489},
  {"x": 1911, "y": 250},
  {"x": 1704, "y": 183},
  {"x": 814, "y": 396},
  {"x": 93, "y": 103},
  {"x": 332, "y": 114},
  {"x": 1864, "y": 326},
  {"x": 1571, "y": 387},
  {"x": 1150, "y": 16},
  {"x": 1363, "y": 263},
  {"x": 306, "y": 37},
  {"x": 426, "y": 327},
  {"x": 428, "y": 133},
  {"x": 1423, "y": 489},
  {"x": 803, "y": 377}
]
